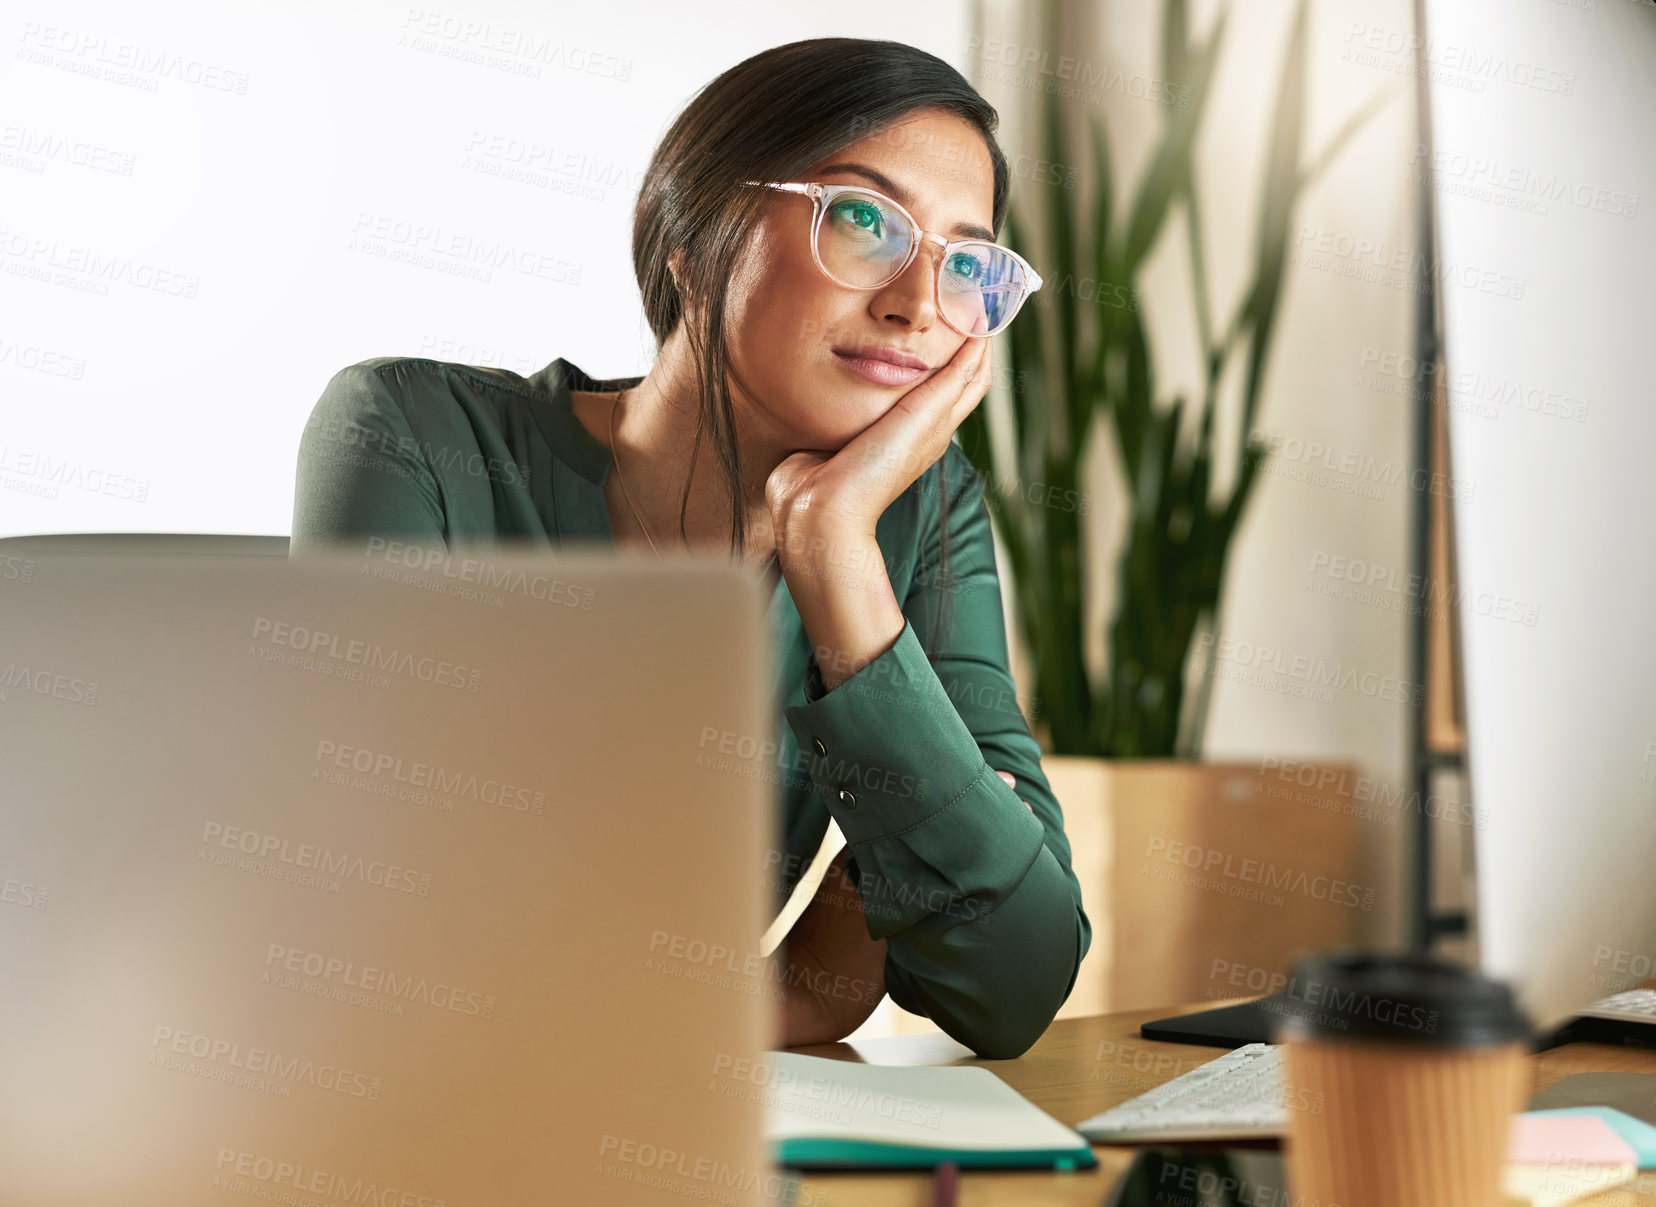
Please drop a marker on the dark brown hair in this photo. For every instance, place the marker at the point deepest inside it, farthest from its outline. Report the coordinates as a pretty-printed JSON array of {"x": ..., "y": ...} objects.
[{"x": 772, "y": 117}]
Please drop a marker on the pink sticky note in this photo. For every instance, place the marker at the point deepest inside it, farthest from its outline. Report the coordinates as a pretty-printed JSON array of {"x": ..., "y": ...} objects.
[{"x": 1566, "y": 1139}]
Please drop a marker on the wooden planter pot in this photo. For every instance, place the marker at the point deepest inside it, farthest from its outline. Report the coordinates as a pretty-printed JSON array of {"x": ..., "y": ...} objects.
[
  {"x": 1201, "y": 880},
  {"x": 1204, "y": 880}
]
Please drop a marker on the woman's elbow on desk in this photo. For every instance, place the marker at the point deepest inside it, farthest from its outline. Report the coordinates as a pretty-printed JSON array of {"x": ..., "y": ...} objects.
[
  {"x": 832, "y": 970},
  {"x": 1003, "y": 1005}
]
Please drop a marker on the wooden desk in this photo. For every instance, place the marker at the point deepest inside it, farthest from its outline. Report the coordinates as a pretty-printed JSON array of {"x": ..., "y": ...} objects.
[{"x": 1082, "y": 1066}]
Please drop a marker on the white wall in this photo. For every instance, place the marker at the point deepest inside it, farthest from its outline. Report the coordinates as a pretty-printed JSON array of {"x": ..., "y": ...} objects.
[{"x": 210, "y": 208}]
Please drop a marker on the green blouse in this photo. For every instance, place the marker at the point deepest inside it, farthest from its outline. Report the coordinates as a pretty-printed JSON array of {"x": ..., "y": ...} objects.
[{"x": 973, "y": 892}]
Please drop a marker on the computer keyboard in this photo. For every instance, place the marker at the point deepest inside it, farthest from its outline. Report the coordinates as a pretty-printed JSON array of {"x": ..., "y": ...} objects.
[
  {"x": 1633, "y": 1006},
  {"x": 1238, "y": 1096}
]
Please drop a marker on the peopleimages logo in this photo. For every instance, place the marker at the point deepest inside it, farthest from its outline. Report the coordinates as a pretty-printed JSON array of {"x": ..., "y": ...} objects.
[
  {"x": 265, "y": 1177},
  {"x": 750, "y": 973},
  {"x": 22, "y": 893},
  {"x": 370, "y": 979},
  {"x": 1365, "y": 576},
  {"x": 484, "y": 574},
  {"x": 1515, "y": 186},
  {"x": 1451, "y": 63},
  {"x": 1317, "y": 672},
  {"x": 671, "y": 1171},
  {"x": 1353, "y": 1003},
  {"x": 742, "y": 754},
  {"x": 19, "y": 569},
  {"x": 803, "y": 1094},
  {"x": 311, "y": 645},
  {"x": 311, "y": 857},
  {"x": 47, "y": 683},
  {"x": 1634, "y": 965},
  {"x": 263, "y": 1062},
  {"x": 1212, "y": 862},
  {"x": 1360, "y": 795},
  {"x": 415, "y": 773}
]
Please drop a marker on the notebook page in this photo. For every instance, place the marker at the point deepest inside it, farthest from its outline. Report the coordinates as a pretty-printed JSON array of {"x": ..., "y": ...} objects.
[{"x": 961, "y": 1107}]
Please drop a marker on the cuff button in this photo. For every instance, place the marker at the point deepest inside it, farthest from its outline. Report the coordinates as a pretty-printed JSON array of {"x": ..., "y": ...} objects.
[
  {"x": 848, "y": 798},
  {"x": 816, "y": 744}
]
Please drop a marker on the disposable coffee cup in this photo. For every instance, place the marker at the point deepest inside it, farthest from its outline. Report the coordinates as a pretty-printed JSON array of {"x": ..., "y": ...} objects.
[{"x": 1401, "y": 1076}]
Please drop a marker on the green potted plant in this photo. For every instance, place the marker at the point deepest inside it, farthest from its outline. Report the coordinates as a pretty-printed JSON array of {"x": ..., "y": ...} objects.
[
  {"x": 1080, "y": 351},
  {"x": 1124, "y": 750}
]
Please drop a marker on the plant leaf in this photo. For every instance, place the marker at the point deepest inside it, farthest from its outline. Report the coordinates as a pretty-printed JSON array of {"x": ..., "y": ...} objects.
[
  {"x": 1275, "y": 211},
  {"x": 1170, "y": 162},
  {"x": 1350, "y": 126},
  {"x": 1105, "y": 322},
  {"x": 1061, "y": 228}
]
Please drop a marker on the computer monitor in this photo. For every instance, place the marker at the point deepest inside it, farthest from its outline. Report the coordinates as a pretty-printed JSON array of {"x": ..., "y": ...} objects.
[
  {"x": 97, "y": 543},
  {"x": 1545, "y": 198},
  {"x": 386, "y": 879}
]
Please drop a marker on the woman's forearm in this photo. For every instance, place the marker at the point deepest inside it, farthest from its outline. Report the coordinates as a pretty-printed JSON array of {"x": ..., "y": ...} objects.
[
  {"x": 840, "y": 586},
  {"x": 833, "y": 973}
]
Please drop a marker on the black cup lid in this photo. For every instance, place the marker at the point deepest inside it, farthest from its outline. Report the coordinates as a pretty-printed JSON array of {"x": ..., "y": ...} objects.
[{"x": 1352, "y": 995}]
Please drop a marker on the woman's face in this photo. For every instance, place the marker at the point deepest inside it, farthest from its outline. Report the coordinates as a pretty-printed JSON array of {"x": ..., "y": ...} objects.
[{"x": 791, "y": 327}]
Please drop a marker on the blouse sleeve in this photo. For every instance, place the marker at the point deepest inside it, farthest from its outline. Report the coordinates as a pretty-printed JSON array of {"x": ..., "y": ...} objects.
[
  {"x": 361, "y": 471},
  {"x": 973, "y": 893}
]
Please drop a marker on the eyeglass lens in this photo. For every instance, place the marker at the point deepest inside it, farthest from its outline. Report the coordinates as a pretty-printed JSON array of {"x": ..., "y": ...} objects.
[{"x": 862, "y": 242}]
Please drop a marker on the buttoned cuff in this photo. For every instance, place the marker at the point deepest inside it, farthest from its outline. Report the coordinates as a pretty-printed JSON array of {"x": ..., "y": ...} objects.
[{"x": 886, "y": 748}]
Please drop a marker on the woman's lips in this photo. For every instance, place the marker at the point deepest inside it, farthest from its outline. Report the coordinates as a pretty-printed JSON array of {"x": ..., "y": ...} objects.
[{"x": 880, "y": 372}]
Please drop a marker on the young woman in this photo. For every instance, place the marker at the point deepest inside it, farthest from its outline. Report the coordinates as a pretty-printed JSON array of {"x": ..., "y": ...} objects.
[{"x": 814, "y": 243}]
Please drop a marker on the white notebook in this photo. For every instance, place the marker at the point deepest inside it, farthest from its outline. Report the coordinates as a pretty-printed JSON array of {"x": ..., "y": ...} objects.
[{"x": 822, "y": 1113}]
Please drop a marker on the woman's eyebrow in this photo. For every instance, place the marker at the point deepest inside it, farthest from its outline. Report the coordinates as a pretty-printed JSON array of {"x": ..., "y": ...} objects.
[{"x": 886, "y": 184}]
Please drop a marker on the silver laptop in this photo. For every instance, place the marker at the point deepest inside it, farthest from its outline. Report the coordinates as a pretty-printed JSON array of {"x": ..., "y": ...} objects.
[{"x": 370, "y": 879}]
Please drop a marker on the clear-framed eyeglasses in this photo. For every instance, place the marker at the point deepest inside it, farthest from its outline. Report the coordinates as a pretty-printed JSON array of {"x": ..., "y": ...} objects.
[{"x": 862, "y": 239}]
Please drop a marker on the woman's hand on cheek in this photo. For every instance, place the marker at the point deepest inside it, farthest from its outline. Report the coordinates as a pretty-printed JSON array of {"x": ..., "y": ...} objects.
[{"x": 846, "y": 492}]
